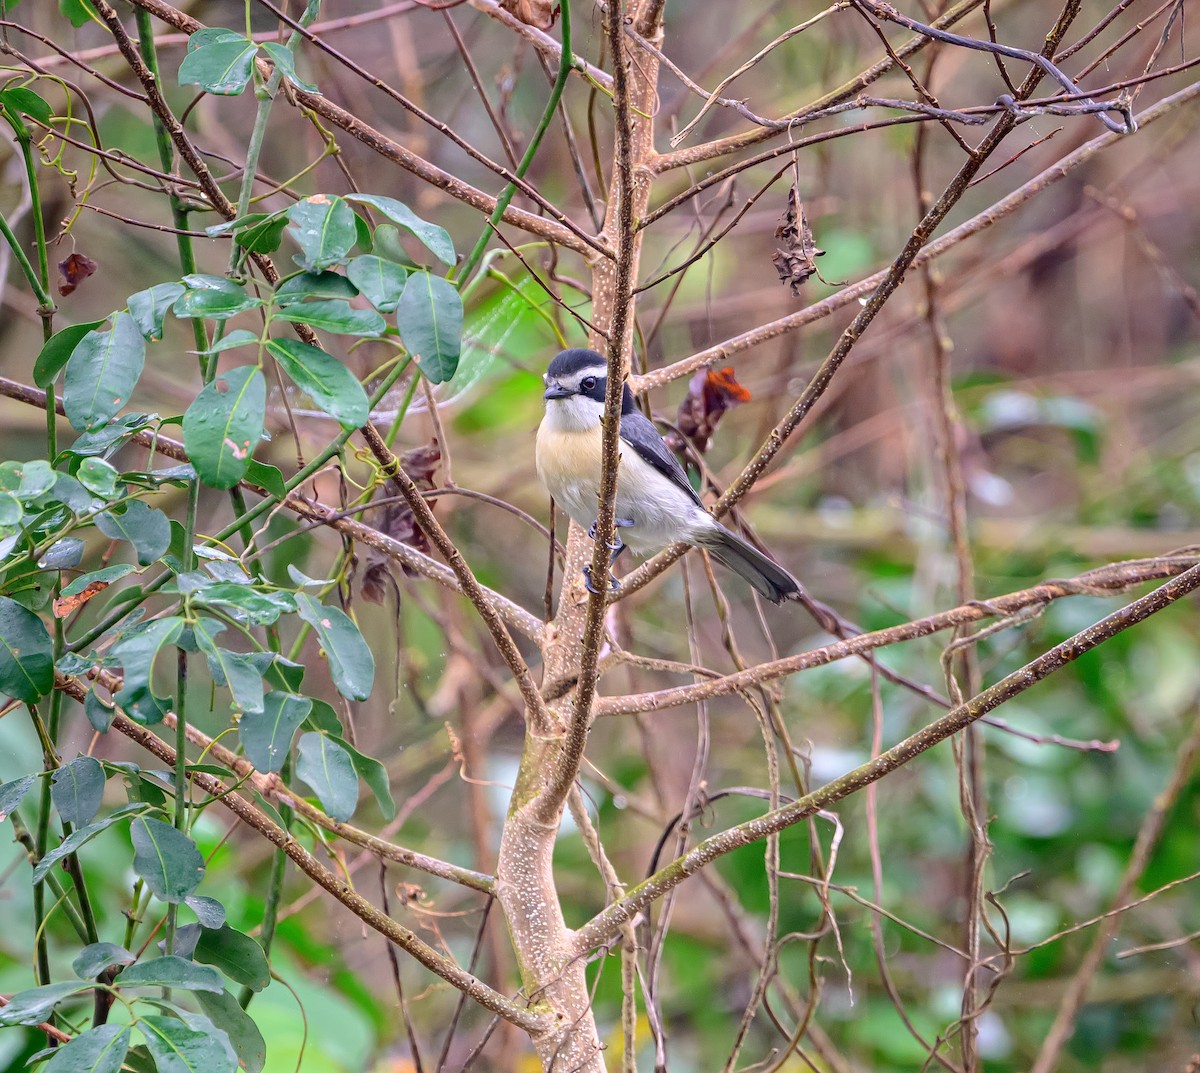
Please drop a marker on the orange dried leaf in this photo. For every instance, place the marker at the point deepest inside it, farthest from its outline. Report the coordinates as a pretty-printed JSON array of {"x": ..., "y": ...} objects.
[{"x": 65, "y": 605}]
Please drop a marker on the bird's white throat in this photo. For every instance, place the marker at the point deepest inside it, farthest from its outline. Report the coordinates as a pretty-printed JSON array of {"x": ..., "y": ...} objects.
[{"x": 573, "y": 414}]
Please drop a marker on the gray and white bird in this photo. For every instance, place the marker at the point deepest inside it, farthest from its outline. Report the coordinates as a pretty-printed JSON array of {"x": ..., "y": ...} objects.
[{"x": 656, "y": 505}]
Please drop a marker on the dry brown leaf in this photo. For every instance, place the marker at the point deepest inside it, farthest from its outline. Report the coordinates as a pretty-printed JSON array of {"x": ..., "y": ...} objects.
[
  {"x": 74, "y": 270},
  {"x": 538, "y": 13},
  {"x": 397, "y": 521},
  {"x": 65, "y": 605},
  {"x": 710, "y": 393},
  {"x": 796, "y": 261}
]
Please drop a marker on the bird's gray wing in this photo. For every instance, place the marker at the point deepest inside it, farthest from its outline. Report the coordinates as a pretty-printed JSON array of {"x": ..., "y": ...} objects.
[{"x": 638, "y": 432}]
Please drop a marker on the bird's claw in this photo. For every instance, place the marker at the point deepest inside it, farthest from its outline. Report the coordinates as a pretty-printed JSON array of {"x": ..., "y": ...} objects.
[
  {"x": 616, "y": 543},
  {"x": 614, "y": 582}
]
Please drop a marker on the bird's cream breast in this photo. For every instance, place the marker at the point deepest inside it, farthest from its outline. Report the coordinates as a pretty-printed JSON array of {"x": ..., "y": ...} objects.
[{"x": 567, "y": 456}]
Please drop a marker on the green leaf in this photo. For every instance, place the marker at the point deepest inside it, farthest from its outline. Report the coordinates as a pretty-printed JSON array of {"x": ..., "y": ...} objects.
[
  {"x": 323, "y": 228},
  {"x": 255, "y": 607},
  {"x": 209, "y": 911},
  {"x": 210, "y": 35},
  {"x": 99, "y": 714},
  {"x": 324, "y": 379},
  {"x": 102, "y": 372},
  {"x": 63, "y": 554},
  {"x": 381, "y": 281},
  {"x": 32, "y": 1007},
  {"x": 77, "y": 12},
  {"x": 149, "y": 308},
  {"x": 430, "y": 318},
  {"x": 98, "y": 477},
  {"x": 106, "y": 574},
  {"x": 224, "y": 424},
  {"x": 26, "y": 653},
  {"x": 81, "y": 837},
  {"x": 386, "y": 243},
  {"x": 213, "y": 297},
  {"x": 37, "y": 478},
  {"x": 223, "y": 67},
  {"x": 258, "y": 232},
  {"x": 267, "y": 735},
  {"x": 233, "y": 669},
  {"x": 166, "y": 859},
  {"x": 374, "y": 774},
  {"x": 328, "y": 769},
  {"x": 237, "y": 337},
  {"x": 285, "y": 61},
  {"x": 314, "y": 285},
  {"x": 239, "y": 223},
  {"x": 92, "y": 960},
  {"x": 435, "y": 239},
  {"x": 351, "y": 664},
  {"x": 11, "y": 511},
  {"x": 335, "y": 317},
  {"x": 24, "y": 101},
  {"x": 12, "y": 794},
  {"x": 262, "y": 237},
  {"x": 238, "y": 956},
  {"x": 97, "y": 1050},
  {"x": 104, "y": 440},
  {"x": 77, "y": 789},
  {"x": 179, "y": 1049},
  {"x": 267, "y": 477},
  {"x": 136, "y": 653},
  {"x": 227, "y": 1014},
  {"x": 171, "y": 971},
  {"x": 146, "y": 528},
  {"x": 324, "y": 717},
  {"x": 57, "y": 350}
]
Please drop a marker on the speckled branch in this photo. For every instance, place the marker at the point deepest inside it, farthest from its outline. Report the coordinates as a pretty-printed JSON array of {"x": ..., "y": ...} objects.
[{"x": 606, "y": 925}]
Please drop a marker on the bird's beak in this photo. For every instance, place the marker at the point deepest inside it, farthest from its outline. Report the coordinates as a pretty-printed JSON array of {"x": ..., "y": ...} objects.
[{"x": 556, "y": 391}]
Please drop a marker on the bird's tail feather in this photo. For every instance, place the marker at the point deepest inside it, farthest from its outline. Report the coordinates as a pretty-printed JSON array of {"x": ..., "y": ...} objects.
[{"x": 768, "y": 578}]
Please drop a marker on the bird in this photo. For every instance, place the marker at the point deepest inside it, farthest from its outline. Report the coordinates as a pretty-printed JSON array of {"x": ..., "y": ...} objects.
[{"x": 656, "y": 504}]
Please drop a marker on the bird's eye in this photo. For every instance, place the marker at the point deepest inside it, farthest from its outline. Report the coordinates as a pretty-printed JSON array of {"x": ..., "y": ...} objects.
[{"x": 587, "y": 383}]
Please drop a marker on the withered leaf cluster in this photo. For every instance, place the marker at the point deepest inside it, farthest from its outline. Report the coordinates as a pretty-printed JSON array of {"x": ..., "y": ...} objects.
[
  {"x": 796, "y": 260},
  {"x": 710, "y": 393},
  {"x": 397, "y": 521}
]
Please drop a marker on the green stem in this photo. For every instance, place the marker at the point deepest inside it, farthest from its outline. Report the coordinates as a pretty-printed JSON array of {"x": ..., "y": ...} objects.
[
  {"x": 566, "y": 62},
  {"x": 187, "y": 262},
  {"x": 23, "y": 263},
  {"x": 266, "y": 935},
  {"x": 46, "y": 734},
  {"x": 398, "y": 420},
  {"x": 45, "y": 302},
  {"x": 134, "y": 917},
  {"x": 22, "y": 835},
  {"x": 166, "y": 157}
]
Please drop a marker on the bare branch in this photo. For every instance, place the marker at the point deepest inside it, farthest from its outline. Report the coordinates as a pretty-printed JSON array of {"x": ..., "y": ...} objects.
[{"x": 603, "y": 927}]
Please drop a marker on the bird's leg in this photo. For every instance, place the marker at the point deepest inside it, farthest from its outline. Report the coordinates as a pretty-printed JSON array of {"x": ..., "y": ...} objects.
[
  {"x": 618, "y": 523},
  {"x": 615, "y": 547}
]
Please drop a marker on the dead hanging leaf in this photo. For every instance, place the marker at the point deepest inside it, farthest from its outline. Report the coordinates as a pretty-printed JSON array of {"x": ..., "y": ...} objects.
[
  {"x": 74, "y": 270},
  {"x": 65, "y": 605},
  {"x": 710, "y": 394},
  {"x": 796, "y": 261},
  {"x": 538, "y": 13},
  {"x": 397, "y": 521}
]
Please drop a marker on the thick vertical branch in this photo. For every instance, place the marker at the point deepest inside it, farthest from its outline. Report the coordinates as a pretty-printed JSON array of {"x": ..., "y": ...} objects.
[{"x": 551, "y": 971}]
